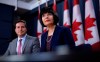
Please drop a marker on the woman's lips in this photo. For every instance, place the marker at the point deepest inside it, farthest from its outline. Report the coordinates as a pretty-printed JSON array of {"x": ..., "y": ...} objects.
[{"x": 46, "y": 20}]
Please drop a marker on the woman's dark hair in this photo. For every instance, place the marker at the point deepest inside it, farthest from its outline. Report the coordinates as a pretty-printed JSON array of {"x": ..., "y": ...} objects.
[
  {"x": 23, "y": 21},
  {"x": 49, "y": 10}
]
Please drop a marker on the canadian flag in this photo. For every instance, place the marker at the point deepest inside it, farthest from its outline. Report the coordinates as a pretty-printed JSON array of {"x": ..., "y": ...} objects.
[
  {"x": 66, "y": 16},
  {"x": 77, "y": 26},
  {"x": 39, "y": 26},
  {"x": 45, "y": 29},
  {"x": 91, "y": 31},
  {"x": 55, "y": 6}
]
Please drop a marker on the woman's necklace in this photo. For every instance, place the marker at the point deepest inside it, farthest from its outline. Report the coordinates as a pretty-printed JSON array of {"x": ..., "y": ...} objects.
[
  {"x": 50, "y": 34},
  {"x": 49, "y": 38}
]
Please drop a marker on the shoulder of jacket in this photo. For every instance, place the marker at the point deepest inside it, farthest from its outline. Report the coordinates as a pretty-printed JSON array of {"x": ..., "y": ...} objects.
[
  {"x": 31, "y": 37},
  {"x": 14, "y": 40}
]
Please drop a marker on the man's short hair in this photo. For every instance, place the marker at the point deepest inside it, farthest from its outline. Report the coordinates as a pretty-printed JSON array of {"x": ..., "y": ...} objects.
[{"x": 23, "y": 21}]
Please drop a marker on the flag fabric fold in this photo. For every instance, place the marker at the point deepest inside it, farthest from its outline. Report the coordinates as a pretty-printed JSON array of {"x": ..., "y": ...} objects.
[
  {"x": 77, "y": 26},
  {"x": 66, "y": 16},
  {"x": 39, "y": 26},
  {"x": 91, "y": 31},
  {"x": 54, "y": 6}
]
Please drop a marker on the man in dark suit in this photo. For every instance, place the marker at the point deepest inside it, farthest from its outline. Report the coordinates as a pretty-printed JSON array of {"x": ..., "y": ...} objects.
[{"x": 24, "y": 44}]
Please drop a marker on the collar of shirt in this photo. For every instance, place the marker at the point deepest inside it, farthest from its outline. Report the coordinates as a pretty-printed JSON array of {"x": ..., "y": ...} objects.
[{"x": 23, "y": 39}]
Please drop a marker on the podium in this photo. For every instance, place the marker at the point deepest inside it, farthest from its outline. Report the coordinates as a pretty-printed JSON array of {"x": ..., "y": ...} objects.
[{"x": 52, "y": 56}]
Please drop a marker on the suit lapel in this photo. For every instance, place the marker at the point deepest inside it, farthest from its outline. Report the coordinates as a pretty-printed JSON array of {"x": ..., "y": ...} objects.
[
  {"x": 54, "y": 38},
  {"x": 26, "y": 41}
]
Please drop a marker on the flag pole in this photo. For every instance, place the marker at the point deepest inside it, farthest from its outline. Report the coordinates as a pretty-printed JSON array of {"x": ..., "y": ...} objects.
[
  {"x": 46, "y": 3},
  {"x": 39, "y": 26}
]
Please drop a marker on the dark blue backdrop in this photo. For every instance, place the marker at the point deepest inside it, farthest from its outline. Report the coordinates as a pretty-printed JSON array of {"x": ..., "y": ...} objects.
[{"x": 6, "y": 20}]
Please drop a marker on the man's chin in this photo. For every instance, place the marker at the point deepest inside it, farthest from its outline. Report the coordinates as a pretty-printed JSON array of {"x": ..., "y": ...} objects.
[{"x": 21, "y": 35}]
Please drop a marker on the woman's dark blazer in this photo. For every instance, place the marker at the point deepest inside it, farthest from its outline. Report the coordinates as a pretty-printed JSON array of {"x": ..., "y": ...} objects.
[{"x": 61, "y": 36}]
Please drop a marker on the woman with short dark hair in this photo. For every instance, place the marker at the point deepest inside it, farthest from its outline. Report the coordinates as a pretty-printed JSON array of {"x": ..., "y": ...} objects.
[{"x": 55, "y": 35}]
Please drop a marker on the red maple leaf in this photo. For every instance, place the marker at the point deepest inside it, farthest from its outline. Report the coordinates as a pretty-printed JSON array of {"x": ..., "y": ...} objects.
[
  {"x": 75, "y": 27},
  {"x": 38, "y": 34},
  {"x": 66, "y": 25},
  {"x": 44, "y": 30},
  {"x": 88, "y": 24}
]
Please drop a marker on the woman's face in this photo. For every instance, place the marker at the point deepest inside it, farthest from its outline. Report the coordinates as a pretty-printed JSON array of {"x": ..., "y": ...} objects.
[{"x": 47, "y": 19}]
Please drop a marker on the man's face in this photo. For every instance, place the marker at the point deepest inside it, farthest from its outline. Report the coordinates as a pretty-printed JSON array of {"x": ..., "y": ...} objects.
[{"x": 20, "y": 29}]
